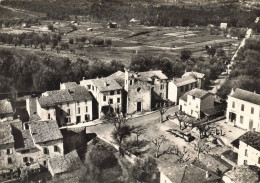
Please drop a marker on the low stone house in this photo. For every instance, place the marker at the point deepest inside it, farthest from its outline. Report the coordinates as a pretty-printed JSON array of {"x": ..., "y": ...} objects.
[
  {"x": 200, "y": 77},
  {"x": 194, "y": 101}
]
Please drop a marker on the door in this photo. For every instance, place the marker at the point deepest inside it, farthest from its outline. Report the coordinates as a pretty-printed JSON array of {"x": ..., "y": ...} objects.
[
  {"x": 250, "y": 124},
  {"x": 180, "y": 107},
  {"x": 139, "y": 106},
  {"x": 78, "y": 119},
  {"x": 232, "y": 117}
]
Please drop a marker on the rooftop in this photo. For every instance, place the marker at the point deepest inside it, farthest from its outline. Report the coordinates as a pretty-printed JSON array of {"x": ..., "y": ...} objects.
[
  {"x": 184, "y": 81},
  {"x": 195, "y": 75},
  {"x": 44, "y": 131},
  {"x": 106, "y": 84},
  {"x": 23, "y": 140},
  {"x": 69, "y": 85},
  {"x": 246, "y": 96},
  {"x": 79, "y": 93},
  {"x": 119, "y": 76},
  {"x": 154, "y": 73},
  {"x": 251, "y": 138},
  {"x": 188, "y": 174},
  {"x": 68, "y": 162},
  {"x": 198, "y": 93},
  {"x": 6, "y": 136},
  {"x": 5, "y": 107},
  {"x": 242, "y": 174}
]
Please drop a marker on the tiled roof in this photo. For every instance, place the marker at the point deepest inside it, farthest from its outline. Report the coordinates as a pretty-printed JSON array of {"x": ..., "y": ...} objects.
[
  {"x": 196, "y": 75},
  {"x": 119, "y": 76},
  {"x": 78, "y": 93},
  {"x": 251, "y": 138},
  {"x": 70, "y": 85},
  {"x": 150, "y": 74},
  {"x": 246, "y": 96},
  {"x": 106, "y": 84},
  {"x": 6, "y": 136},
  {"x": 5, "y": 107},
  {"x": 188, "y": 174},
  {"x": 184, "y": 81},
  {"x": 214, "y": 110},
  {"x": 198, "y": 93},
  {"x": 44, "y": 131},
  {"x": 68, "y": 162},
  {"x": 242, "y": 174},
  {"x": 23, "y": 140}
]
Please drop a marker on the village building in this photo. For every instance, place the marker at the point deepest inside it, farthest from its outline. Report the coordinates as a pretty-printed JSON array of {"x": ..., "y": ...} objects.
[
  {"x": 6, "y": 110},
  {"x": 195, "y": 101},
  {"x": 223, "y": 26},
  {"x": 200, "y": 77},
  {"x": 187, "y": 174},
  {"x": 107, "y": 94},
  {"x": 70, "y": 105},
  {"x": 179, "y": 86},
  {"x": 28, "y": 144},
  {"x": 248, "y": 148},
  {"x": 243, "y": 109},
  {"x": 64, "y": 164}
]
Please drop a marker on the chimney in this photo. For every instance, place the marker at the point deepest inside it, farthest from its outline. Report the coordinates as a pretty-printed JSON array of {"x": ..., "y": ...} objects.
[
  {"x": 207, "y": 174},
  {"x": 232, "y": 91}
]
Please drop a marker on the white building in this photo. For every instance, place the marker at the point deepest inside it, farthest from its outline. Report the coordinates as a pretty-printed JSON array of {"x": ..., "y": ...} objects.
[
  {"x": 67, "y": 106},
  {"x": 200, "y": 77},
  {"x": 243, "y": 109},
  {"x": 194, "y": 101},
  {"x": 179, "y": 86},
  {"x": 248, "y": 149},
  {"x": 107, "y": 92}
]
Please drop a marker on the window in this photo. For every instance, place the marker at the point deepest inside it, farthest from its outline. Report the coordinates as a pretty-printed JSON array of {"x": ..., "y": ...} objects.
[
  {"x": 118, "y": 100},
  {"x": 191, "y": 112},
  {"x": 104, "y": 98},
  {"x": 89, "y": 87},
  {"x": 233, "y": 104},
  {"x": 25, "y": 159},
  {"x": 242, "y": 107},
  {"x": 193, "y": 97},
  {"x": 118, "y": 91},
  {"x": 45, "y": 150},
  {"x": 111, "y": 101},
  {"x": 92, "y": 87},
  {"x": 252, "y": 110},
  {"x": 241, "y": 119},
  {"x": 86, "y": 108},
  {"x": 49, "y": 116},
  {"x": 26, "y": 126},
  {"x": 8, "y": 151},
  {"x": 44, "y": 163},
  {"x": 112, "y": 92},
  {"x": 131, "y": 82},
  {"x": 68, "y": 111},
  {"x": 68, "y": 104},
  {"x": 245, "y": 162},
  {"x": 138, "y": 89},
  {"x": 86, "y": 117},
  {"x": 9, "y": 160},
  {"x": 258, "y": 160},
  {"x": 78, "y": 110},
  {"x": 246, "y": 153},
  {"x": 56, "y": 149},
  {"x": 162, "y": 86},
  {"x": 67, "y": 120}
]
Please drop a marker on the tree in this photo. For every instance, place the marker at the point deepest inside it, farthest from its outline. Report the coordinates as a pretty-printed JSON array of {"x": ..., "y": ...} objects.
[
  {"x": 145, "y": 170},
  {"x": 138, "y": 130},
  {"x": 71, "y": 41},
  {"x": 43, "y": 46},
  {"x": 185, "y": 54},
  {"x": 211, "y": 51},
  {"x": 158, "y": 142},
  {"x": 201, "y": 147},
  {"x": 50, "y": 27},
  {"x": 162, "y": 111}
]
